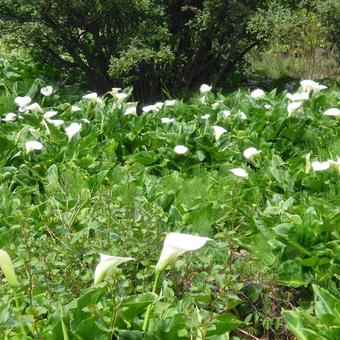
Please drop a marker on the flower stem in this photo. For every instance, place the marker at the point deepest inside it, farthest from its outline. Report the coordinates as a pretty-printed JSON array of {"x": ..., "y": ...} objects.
[
  {"x": 148, "y": 311},
  {"x": 17, "y": 307}
]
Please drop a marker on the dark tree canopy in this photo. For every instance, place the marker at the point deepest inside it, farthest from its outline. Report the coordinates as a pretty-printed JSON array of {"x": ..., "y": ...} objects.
[{"x": 154, "y": 45}]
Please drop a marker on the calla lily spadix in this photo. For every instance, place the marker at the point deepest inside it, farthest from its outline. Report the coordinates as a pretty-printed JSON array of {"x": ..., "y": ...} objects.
[
  {"x": 72, "y": 130},
  {"x": 180, "y": 149},
  {"x": 219, "y": 131},
  {"x": 335, "y": 112},
  {"x": 33, "y": 145},
  {"x": 106, "y": 263},
  {"x": 239, "y": 172},
  {"x": 176, "y": 244},
  {"x": 46, "y": 91},
  {"x": 258, "y": 94},
  {"x": 7, "y": 267},
  {"x": 204, "y": 88}
]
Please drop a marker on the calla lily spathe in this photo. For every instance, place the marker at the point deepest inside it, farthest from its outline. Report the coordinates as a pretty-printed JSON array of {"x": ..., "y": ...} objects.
[
  {"x": 239, "y": 172},
  {"x": 335, "y": 112},
  {"x": 34, "y": 107},
  {"x": 219, "y": 131},
  {"x": 292, "y": 107},
  {"x": 106, "y": 263},
  {"x": 320, "y": 166},
  {"x": 180, "y": 149},
  {"x": 50, "y": 114},
  {"x": 7, "y": 267},
  {"x": 250, "y": 152},
  {"x": 166, "y": 120},
  {"x": 22, "y": 101},
  {"x": 258, "y": 94},
  {"x": 310, "y": 86},
  {"x": 46, "y": 91},
  {"x": 10, "y": 117},
  {"x": 204, "y": 88},
  {"x": 33, "y": 145},
  {"x": 72, "y": 130},
  {"x": 298, "y": 96},
  {"x": 176, "y": 244},
  {"x": 130, "y": 111}
]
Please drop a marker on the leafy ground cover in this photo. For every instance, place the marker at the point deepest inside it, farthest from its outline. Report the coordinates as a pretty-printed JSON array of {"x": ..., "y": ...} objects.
[{"x": 256, "y": 172}]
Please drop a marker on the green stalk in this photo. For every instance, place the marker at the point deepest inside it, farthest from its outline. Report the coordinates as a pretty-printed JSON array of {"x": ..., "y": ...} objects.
[
  {"x": 148, "y": 311},
  {"x": 17, "y": 307}
]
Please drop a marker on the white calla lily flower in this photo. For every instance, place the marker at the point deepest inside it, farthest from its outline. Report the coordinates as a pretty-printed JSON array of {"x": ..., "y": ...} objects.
[
  {"x": 335, "y": 112},
  {"x": 226, "y": 113},
  {"x": 204, "y": 88},
  {"x": 297, "y": 97},
  {"x": 46, "y": 91},
  {"x": 10, "y": 117},
  {"x": 176, "y": 244},
  {"x": 75, "y": 108},
  {"x": 206, "y": 116},
  {"x": 72, "y": 130},
  {"x": 106, "y": 263},
  {"x": 258, "y": 94},
  {"x": 56, "y": 122},
  {"x": 166, "y": 120},
  {"x": 180, "y": 149},
  {"x": 311, "y": 86},
  {"x": 93, "y": 97},
  {"x": 242, "y": 115},
  {"x": 170, "y": 102},
  {"x": 34, "y": 108},
  {"x": 120, "y": 96},
  {"x": 149, "y": 108},
  {"x": 250, "y": 152},
  {"x": 7, "y": 268},
  {"x": 22, "y": 101},
  {"x": 50, "y": 114},
  {"x": 239, "y": 172},
  {"x": 33, "y": 145},
  {"x": 292, "y": 107},
  {"x": 219, "y": 131},
  {"x": 215, "y": 105},
  {"x": 320, "y": 166},
  {"x": 130, "y": 111},
  {"x": 268, "y": 106}
]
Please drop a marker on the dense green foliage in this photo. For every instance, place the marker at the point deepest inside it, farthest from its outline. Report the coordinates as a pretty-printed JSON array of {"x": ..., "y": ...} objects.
[{"x": 118, "y": 187}]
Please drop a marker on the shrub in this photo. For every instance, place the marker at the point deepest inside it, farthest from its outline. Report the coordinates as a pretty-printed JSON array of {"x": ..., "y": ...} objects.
[{"x": 153, "y": 45}]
